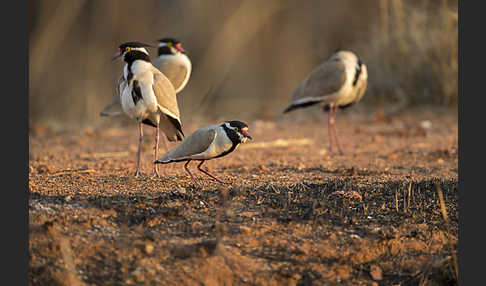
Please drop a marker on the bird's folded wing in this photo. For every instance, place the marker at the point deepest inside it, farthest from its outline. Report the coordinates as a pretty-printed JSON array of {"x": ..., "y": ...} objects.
[
  {"x": 196, "y": 143},
  {"x": 165, "y": 95},
  {"x": 170, "y": 122},
  {"x": 175, "y": 71},
  {"x": 326, "y": 79}
]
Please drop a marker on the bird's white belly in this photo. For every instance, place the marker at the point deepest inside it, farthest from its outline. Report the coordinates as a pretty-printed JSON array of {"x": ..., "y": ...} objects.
[
  {"x": 142, "y": 109},
  {"x": 346, "y": 95}
]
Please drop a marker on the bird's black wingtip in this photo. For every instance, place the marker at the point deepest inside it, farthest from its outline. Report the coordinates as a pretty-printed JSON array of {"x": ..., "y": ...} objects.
[{"x": 288, "y": 109}]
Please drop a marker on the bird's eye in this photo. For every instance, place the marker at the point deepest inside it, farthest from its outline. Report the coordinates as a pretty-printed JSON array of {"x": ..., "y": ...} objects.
[
  {"x": 169, "y": 44},
  {"x": 127, "y": 49},
  {"x": 236, "y": 129}
]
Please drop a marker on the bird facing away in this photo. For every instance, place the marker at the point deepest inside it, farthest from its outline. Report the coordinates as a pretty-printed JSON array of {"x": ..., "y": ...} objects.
[
  {"x": 207, "y": 143},
  {"x": 172, "y": 61},
  {"x": 148, "y": 96},
  {"x": 340, "y": 81}
]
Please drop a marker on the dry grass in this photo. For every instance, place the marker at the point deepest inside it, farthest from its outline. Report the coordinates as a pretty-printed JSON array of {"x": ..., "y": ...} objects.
[{"x": 452, "y": 250}]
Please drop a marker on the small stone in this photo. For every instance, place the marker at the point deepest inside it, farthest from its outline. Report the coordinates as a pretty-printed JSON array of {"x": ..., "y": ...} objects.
[
  {"x": 426, "y": 124},
  {"x": 41, "y": 169},
  {"x": 149, "y": 248},
  {"x": 378, "y": 138},
  {"x": 245, "y": 229},
  {"x": 263, "y": 168},
  {"x": 375, "y": 272}
]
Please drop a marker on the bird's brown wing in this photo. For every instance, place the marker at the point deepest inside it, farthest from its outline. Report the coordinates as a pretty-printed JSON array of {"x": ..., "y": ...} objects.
[
  {"x": 325, "y": 80},
  {"x": 196, "y": 143},
  {"x": 175, "y": 71},
  {"x": 170, "y": 122},
  {"x": 114, "y": 106}
]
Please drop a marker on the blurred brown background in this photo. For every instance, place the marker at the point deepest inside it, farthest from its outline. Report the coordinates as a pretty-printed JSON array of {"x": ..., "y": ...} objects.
[{"x": 249, "y": 54}]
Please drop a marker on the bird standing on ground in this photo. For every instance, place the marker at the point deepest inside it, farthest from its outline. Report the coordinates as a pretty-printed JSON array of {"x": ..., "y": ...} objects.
[
  {"x": 148, "y": 96},
  {"x": 340, "y": 81},
  {"x": 207, "y": 143},
  {"x": 172, "y": 61}
]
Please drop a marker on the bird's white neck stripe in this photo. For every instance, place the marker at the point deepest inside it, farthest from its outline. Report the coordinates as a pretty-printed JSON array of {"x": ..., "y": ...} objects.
[{"x": 143, "y": 50}]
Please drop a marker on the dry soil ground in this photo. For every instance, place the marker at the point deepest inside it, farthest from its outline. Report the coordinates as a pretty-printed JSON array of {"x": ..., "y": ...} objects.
[{"x": 293, "y": 214}]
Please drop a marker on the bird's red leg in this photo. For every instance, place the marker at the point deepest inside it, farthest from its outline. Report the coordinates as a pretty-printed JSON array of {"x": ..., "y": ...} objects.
[
  {"x": 335, "y": 132},
  {"x": 209, "y": 174},
  {"x": 157, "y": 133},
  {"x": 330, "y": 122},
  {"x": 189, "y": 172},
  {"x": 140, "y": 137}
]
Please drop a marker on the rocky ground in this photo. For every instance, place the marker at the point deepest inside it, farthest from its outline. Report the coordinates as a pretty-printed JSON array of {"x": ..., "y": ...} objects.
[{"x": 294, "y": 214}]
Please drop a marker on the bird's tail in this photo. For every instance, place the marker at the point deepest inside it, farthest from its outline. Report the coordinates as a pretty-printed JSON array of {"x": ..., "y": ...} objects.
[
  {"x": 167, "y": 161},
  {"x": 113, "y": 108},
  {"x": 300, "y": 105}
]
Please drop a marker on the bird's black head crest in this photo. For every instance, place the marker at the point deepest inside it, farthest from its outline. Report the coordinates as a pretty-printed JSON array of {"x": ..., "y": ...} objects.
[
  {"x": 236, "y": 123},
  {"x": 133, "y": 45},
  {"x": 169, "y": 40},
  {"x": 236, "y": 131},
  {"x": 170, "y": 46}
]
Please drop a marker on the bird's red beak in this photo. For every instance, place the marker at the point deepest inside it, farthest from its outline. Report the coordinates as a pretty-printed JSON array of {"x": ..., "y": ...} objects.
[
  {"x": 246, "y": 134},
  {"x": 179, "y": 48},
  {"x": 117, "y": 55}
]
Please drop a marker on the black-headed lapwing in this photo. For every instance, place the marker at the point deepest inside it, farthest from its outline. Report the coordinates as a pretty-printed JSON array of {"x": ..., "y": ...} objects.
[
  {"x": 340, "y": 81},
  {"x": 207, "y": 143},
  {"x": 172, "y": 61},
  {"x": 148, "y": 96}
]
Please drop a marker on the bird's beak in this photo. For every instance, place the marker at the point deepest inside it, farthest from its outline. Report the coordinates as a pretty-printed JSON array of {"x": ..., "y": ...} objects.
[
  {"x": 246, "y": 134},
  {"x": 117, "y": 55},
  {"x": 179, "y": 48}
]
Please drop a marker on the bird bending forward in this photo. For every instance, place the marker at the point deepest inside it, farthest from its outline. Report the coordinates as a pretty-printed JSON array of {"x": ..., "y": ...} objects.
[
  {"x": 340, "y": 81},
  {"x": 207, "y": 143}
]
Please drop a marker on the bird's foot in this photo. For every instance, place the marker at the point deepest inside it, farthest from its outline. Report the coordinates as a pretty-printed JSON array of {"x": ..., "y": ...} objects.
[
  {"x": 197, "y": 186},
  {"x": 138, "y": 173},
  {"x": 220, "y": 181},
  {"x": 156, "y": 173}
]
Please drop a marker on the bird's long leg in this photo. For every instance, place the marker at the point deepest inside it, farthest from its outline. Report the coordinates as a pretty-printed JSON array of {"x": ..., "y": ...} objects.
[
  {"x": 330, "y": 121},
  {"x": 140, "y": 137},
  {"x": 209, "y": 174},
  {"x": 189, "y": 172},
  {"x": 157, "y": 136},
  {"x": 334, "y": 130}
]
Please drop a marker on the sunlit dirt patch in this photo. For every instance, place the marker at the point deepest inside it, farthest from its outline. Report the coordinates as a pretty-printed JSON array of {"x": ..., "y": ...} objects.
[{"x": 289, "y": 216}]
